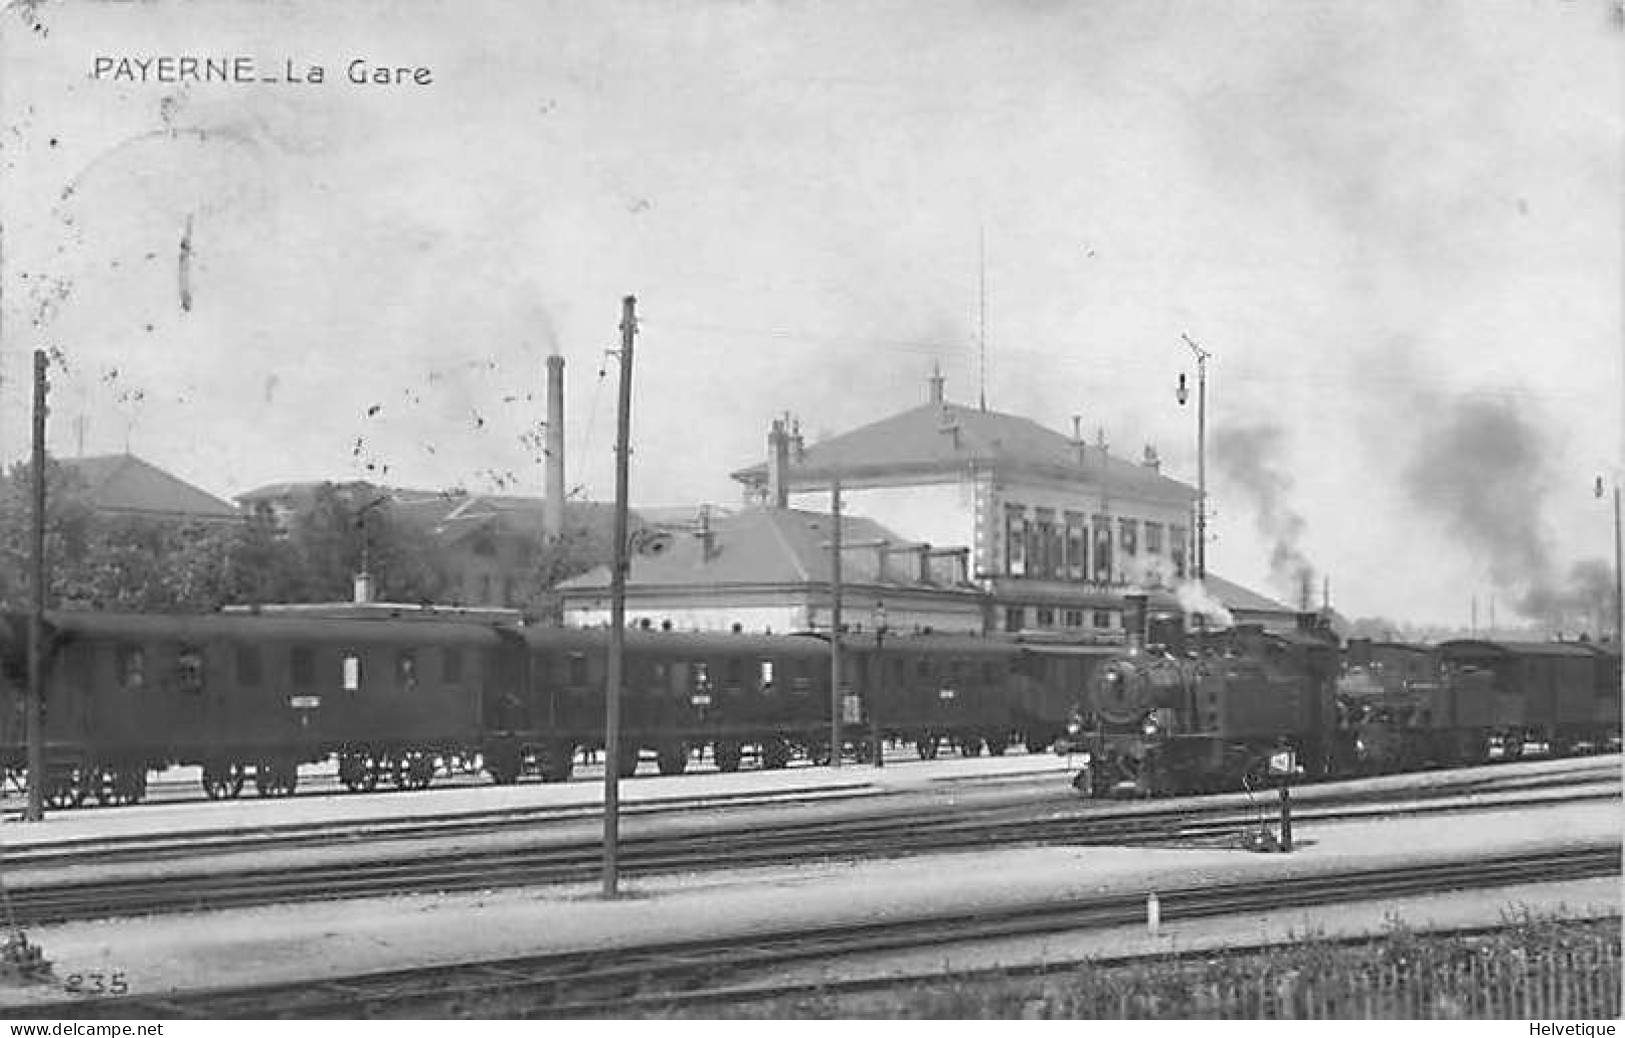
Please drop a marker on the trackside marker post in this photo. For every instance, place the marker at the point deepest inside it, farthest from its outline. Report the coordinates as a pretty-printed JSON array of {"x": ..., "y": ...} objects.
[{"x": 1283, "y": 764}]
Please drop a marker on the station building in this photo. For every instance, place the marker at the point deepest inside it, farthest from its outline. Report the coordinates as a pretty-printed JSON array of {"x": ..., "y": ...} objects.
[{"x": 1057, "y": 529}]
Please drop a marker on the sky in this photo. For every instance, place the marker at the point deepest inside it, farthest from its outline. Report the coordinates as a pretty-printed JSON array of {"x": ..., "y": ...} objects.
[{"x": 1396, "y": 227}]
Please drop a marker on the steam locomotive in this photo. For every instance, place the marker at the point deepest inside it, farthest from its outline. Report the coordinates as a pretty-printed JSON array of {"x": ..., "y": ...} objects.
[
  {"x": 397, "y": 697},
  {"x": 1190, "y": 712}
]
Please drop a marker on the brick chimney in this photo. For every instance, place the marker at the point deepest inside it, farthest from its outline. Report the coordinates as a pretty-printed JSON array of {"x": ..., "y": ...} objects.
[
  {"x": 935, "y": 381},
  {"x": 778, "y": 466},
  {"x": 553, "y": 446},
  {"x": 1151, "y": 460}
]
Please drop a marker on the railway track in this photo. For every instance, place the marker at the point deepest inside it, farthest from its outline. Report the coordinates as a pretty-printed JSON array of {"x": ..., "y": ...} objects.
[
  {"x": 464, "y": 868},
  {"x": 719, "y": 969},
  {"x": 148, "y": 847}
]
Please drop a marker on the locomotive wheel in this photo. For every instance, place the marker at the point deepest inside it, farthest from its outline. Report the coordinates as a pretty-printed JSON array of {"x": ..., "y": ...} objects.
[
  {"x": 672, "y": 758},
  {"x": 420, "y": 770},
  {"x": 397, "y": 769},
  {"x": 630, "y": 754},
  {"x": 727, "y": 754},
  {"x": 970, "y": 746},
  {"x": 926, "y": 747},
  {"x": 1036, "y": 743},
  {"x": 775, "y": 753},
  {"x": 355, "y": 773},
  {"x": 125, "y": 784}
]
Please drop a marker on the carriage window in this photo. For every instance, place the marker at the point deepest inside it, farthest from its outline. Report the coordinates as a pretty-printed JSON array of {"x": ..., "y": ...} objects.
[
  {"x": 897, "y": 675},
  {"x": 406, "y": 670},
  {"x": 452, "y": 666},
  {"x": 352, "y": 672},
  {"x": 764, "y": 670},
  {"x": 189, "y": 669},
  {"x": 702, "y": 677},
  {"x": 248, "y": 665},
  {"x": 957, "y": 669},
  {"x": 578, "y": 668},
  {"x": 302, "y": 667},
  {"x": 132, "y": 666},
  {"x": 660, "y": 673},
  {"x": 736, "y": 672},
  {"x": 990, "y": 673},
  {"x": 922, "y": 668}
]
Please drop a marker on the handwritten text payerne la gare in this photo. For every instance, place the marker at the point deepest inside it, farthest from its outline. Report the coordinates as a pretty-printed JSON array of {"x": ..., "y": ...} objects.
[{"x": 190, "y": 68}]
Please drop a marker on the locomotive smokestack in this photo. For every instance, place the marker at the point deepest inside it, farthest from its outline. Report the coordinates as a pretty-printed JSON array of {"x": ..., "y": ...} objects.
[
  {"x": 553, "y": 447},
  {"x": 1134, "y": 619}
]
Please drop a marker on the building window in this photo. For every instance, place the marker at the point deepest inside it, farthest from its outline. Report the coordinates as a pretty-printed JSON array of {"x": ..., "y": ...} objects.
[
  {"x": 1103, "y": 619},
  {"x": 1014, "y": 618},
  {"x": 406, "y": 670},
  {"x": 1046, "y": 616},
  {"x": 1128, "y": 536},
  {"x": 1077, "y": 547},
  {"x": 1074, "y": 618},
  {"x": 1103, "y": 549},
  {"x": 1153, "y": 538},
  {"x": 1046, "y": 561},
  {"x": 1177, "y": 544},
  {"x": 1015, "y": 541},
  {"x": 132, "y": 667}
]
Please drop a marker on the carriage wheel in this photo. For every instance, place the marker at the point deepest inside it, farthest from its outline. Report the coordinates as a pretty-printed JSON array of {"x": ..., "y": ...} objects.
[
  {"x": 223, "y": 781},
  {"x": 64, "y": 788},
  {"x": 556, "y": 760},
  {"x": 775, "y": 753},
  {"x": 503, "y": 766},
  {"x": 727, "y": 754},
  {"x": 672, "y": 758},
  {"x": 970, "y": 746},
  {"x": 130, "y": 783},
  {"x": 926, "y": 747},
  {"x": 997, "y": 743}
]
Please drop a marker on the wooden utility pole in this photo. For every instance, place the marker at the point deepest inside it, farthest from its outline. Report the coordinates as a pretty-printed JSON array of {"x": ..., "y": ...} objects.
[
  {"x": 36, "y": 623},
  {"x": 617, "y": 609},
  {"x": 835, "y": 627}
]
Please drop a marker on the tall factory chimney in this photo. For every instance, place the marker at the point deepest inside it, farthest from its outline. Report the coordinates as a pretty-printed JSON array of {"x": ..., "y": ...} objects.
[
  {"x": 778, "y": 466},
  {"x": 553, "y": 447}
]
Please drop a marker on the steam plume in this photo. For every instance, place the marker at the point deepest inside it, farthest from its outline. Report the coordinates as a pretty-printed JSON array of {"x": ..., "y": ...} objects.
[{"x": 1247, "y": 456}]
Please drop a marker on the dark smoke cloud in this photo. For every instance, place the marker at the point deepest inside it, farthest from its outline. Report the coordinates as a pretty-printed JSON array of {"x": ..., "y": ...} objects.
[
  {"x": 1248, "y": 457},
  {"x": 1481, "y": 467}
]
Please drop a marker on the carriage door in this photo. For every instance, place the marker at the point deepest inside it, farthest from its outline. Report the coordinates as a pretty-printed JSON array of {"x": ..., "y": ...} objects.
[{"x": 504, "y": 702}]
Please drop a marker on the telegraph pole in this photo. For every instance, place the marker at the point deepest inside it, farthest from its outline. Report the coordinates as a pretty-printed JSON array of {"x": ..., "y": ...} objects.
[
  {"x": 1201, "y": 452},
  {"x": 617, "y": 609},
  {"x": 35, "y": 809},
  {"x": 835, "y": 628}
]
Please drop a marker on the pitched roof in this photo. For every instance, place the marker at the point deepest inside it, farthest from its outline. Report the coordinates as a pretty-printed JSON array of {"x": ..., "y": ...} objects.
[
  {"x": 1234, "y": 596},
  {"x": 126, "y": 483},
  {"x": 766, "y": 546},
  {"x": 937, "y": 438}
]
